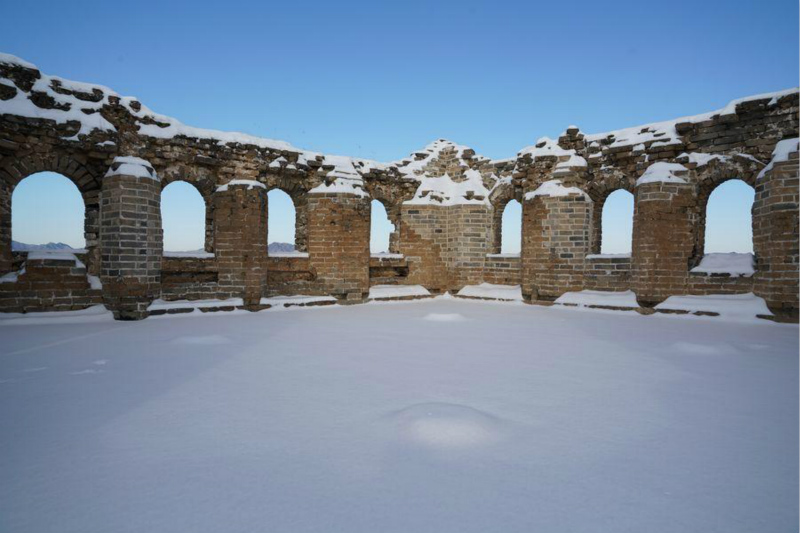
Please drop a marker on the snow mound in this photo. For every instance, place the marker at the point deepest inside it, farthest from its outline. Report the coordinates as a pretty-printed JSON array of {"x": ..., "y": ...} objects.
[
  {"x": 385, "y": 292},
  {"x": 492, "y": 291},
  {"x": 735, "y": 264},
  {"x": 445, "y": 317},
  {"x": 599, "y": 298},
  {"x": 441, "y": 425},
  {"x": 746, "y": 306}
]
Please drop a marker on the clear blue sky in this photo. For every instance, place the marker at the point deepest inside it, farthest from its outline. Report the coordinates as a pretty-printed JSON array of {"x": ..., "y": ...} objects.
[{"x": 379, "y": 79}]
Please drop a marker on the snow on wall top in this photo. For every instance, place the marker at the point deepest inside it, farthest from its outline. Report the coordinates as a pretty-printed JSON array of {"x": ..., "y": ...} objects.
[
  {"x": 662, "y": 172},
  {"x": 781, "y": 154},
  {"x": 448, "y": 173},
  {"x": 665, "y": 133},
  {"x": 555, "y": 188},
  {"x": 131, "y": 166}
]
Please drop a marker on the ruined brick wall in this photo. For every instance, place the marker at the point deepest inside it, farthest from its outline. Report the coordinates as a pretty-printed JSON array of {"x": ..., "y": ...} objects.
[
  {"x": 189, "y": 278},
  {"x": 424, "y": 243},
  {"x": 240, "y": 241},
  {"x": 131, "y": 239},
  {"x": 338, "y": 244},
  {"x": 555, "y": 241},
  {"x": 54, "y": 283},
  {"x": 502, "y": 269},
  {"x": 291, "y": 275},
  {"x": 775, "y": 236},
  {"x": 607, "y": 273},
  {"x": 445, "y": 200}
]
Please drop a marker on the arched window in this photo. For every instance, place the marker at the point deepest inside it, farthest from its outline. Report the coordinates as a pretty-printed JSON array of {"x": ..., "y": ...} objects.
[
  {"x": 380, "y": 229},
  {"x": 511, "y": 232},
  {"x": 183, "y": 217},
  {"x": 281, "y": 216},
  {"x": 617, "y": 223},
  {"x": 729, "y": 220},
  {"x": 47, "y": 208}
]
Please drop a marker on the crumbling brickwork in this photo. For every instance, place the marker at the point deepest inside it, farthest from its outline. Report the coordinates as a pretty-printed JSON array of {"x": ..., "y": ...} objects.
[
  {"x": 445, "y": 201},
  {"x": 131, "y": 239}
]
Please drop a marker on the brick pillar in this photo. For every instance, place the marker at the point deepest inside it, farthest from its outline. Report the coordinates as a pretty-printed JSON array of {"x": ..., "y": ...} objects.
[
  {"x": 5, "y": 227},
  {"x": 665, "y": 223},
  {"x": 470, "y": 236},
  {"x": 424, "y": 242},
  {"x": 131, "y": 239},
  {"x": 775, "y": 237},
  {"x": 556, "y": 233},
  {"x": 338, "y": 244},
  {"x": 240, "y": 240}
]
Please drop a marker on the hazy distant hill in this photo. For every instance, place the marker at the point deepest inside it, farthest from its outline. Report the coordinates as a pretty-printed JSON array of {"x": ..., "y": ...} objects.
[
  {"x": 276, "y": 247},
  {"x": 23, "y": 247}
]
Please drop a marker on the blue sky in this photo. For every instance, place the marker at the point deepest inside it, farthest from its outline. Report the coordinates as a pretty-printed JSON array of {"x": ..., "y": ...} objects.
[{"x": 379, "y": 79}]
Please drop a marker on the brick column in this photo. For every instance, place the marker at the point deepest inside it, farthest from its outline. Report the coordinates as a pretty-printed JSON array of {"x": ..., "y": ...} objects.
[
  {"x": 665, "y": 220},
  {"x": 131, "y": 239},
  {"x": 556, "y": 232},
  {"x": 775, "y": 237},
  {"x": 240, "y": 239},
  {"x": 338, "y": 243},
  {"x": 5, "y": 227},
  {"x": 424, "y": 242},
  {"x": 470, "y": 236}
]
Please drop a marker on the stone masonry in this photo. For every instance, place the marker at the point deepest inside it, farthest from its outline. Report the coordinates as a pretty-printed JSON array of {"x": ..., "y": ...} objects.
[{"x": 445, "y": 201}]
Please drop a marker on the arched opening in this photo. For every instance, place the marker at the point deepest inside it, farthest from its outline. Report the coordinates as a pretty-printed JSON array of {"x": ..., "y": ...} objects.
[
  {"x": 511, "y": 228},
  {"x": 47, "y": 212},
  {"x": 281, "y": 222},
  {"x": 183, "y": 218},
  {"x": 729, "y": 218},
  {"x": 380, "y": 230},
  {"x": 616, "y": 226}
]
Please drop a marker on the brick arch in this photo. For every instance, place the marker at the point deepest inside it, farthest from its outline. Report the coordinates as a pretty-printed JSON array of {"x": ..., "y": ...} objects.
[
  {"x": 707, "y": 179},
  {"x": 393, "y": 212},
  {"x": 499, "y": 199},
  {"x": 201, "y": 179},
  {"x": 299, "y": 196},
  {"x": 87, "y": 178},
  {"x": 599, "y": 190}
]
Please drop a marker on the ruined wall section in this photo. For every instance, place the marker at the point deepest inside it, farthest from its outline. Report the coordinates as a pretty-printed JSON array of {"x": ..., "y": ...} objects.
[{"x": 445, "y": 200}]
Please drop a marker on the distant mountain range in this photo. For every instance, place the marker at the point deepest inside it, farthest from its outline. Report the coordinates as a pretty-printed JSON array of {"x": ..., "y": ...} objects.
[
  {"x": 274, "y": 247},
  {"x": 278, "y": 247},
  {"x": 23, "y": 247}
]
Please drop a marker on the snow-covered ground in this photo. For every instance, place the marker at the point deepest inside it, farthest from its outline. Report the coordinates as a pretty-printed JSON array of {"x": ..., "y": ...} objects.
[{"x": 432, "y": 415}]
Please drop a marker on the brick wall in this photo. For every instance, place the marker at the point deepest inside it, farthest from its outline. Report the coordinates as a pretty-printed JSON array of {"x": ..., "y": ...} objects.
[
  {"x": 555, "y": 241},
  {"x": 338, "y": 244},
  {"x": 502, "y": 269},
  {"x": 665, "y": 222},
  {"x": 130, "y": 241},
  {"x": 53, "y": 284},
  {"x": 775, "y": 237},
  {"x": 607, "y": 273}
]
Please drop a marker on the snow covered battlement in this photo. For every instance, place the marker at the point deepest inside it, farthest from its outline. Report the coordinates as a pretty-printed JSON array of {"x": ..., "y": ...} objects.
[{"x": 445, "y": 201}]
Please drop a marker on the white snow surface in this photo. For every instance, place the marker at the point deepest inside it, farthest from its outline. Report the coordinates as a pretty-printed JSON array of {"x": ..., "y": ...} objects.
[
  {"x": 555, "y": 188},
  {"x": 662, "y": 172},
  {"x": 298, "y": 299},
  {"x": 493, "y": 291},
  {"x": 733, "y": 263},
  {"x": 132, "y": 166},
  {"x": 732, "y": 307},
  {"x": 605, "y": 298},
  {"x": 380, "y": 292},
  {"x": 196, "y": 254},
  {"x": 250, "y": 184},
  {"x": 781, "y": 154},
  {"x": 193, "y": 304},
  {"x": 369, "y": 418}
]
